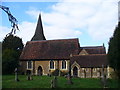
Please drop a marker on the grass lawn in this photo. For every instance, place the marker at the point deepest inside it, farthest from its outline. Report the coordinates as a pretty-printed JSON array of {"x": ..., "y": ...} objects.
[{"x": 44, "y": 82}]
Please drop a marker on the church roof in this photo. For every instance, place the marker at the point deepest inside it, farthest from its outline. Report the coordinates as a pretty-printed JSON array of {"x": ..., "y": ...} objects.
[
  {"x": 50, "y": 49},
  {"x": 90, "y": 60},
  {"x": 39, "y": 34},
  {"x": 94, "y": 50}
]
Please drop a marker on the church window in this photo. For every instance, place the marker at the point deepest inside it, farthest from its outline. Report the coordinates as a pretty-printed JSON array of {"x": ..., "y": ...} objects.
[
  {"x": 63, "y": 64},
  {"x": 29, "y": 64},
  {"x": 98, "y": 69},
  {"x": 51, "y": 64},
  {"x": 83, "y": 69},
  {"x": 94, "y": 69},
  {"x": 87, "y": 69}
]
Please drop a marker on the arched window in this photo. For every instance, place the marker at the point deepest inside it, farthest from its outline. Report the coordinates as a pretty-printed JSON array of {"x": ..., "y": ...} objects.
[
  {"x": 29, "y": 64},
  {"x": 64, "y": 64},
  {"x": 51, "y": 64}
]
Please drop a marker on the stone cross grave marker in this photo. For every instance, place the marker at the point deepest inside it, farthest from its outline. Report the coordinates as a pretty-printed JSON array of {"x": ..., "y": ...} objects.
[{"x": 16, "y": 75}]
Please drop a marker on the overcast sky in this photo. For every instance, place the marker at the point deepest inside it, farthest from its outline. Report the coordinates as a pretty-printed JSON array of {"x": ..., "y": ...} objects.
[{"x": 92, "y": 21}]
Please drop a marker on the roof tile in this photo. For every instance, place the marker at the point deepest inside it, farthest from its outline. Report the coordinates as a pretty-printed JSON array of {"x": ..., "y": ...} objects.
[{"x": 50, "y": 49}]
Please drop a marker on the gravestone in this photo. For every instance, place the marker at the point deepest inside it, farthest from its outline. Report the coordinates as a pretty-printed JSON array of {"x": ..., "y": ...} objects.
[
  {"x": 104, "y": 79},
  {"x": 49, "y": 73},
  {"x": 104, "y": 82},
  {"x": 52, "y": 86},
  {"x": 69, "y": 81},
  {"x": 29, "y": 76},
  {"x": 54, "y": 82},
  {"x": 16, "y": 75}
]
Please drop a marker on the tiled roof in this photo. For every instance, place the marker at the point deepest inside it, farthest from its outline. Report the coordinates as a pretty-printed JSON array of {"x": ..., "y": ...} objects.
[
  {"x": 90, "y": 60},
  {"x": 50, "y": 49},
  {"x": 94, "y": 50}
]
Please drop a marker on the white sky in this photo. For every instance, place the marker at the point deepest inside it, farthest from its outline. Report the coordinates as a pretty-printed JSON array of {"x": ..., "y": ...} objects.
[{"x": 92, "y": 21}]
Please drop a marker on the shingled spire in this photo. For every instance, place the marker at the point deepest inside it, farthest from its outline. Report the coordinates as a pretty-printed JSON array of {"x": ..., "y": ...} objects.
[{"x": 39, "y": 34}]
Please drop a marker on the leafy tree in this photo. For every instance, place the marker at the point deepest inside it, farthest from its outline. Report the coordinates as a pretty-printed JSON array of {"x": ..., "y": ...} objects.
[
  {"x": 11, "y": 50},
  {"x": 12, "y": 42},
  {"x": 9, "y": 62},
  {"x": 114, "y": 50}
]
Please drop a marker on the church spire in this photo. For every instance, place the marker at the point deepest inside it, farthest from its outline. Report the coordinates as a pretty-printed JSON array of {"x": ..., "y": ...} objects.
[
  {"x": 39, "y": 34},
  {"x": 103, "y": 45}
]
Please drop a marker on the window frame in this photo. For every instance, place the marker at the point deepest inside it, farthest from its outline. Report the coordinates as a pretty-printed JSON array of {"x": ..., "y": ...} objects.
[
  {"x": 94, "y": 69},
  {"x": 86, "y": 69},
  {"x": 29, "y": 65},
  {"x": 53, "y": 63},
  {"x": 65, "y": 62}
]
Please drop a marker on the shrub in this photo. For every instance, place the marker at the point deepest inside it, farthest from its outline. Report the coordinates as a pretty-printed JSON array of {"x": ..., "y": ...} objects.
[
  {"x": 113, "y": 75},
  {"x": 57, "y": 71},
  {"x": 63, "y": 73}
]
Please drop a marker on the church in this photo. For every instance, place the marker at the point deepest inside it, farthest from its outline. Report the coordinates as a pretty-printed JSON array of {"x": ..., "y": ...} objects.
[{"x": 43, "y": 57}]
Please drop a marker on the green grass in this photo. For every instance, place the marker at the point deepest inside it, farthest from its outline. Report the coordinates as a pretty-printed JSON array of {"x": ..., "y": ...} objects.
[
  {"x": 80, "y": 83},
  {"x": 113, "y": 83},
  {"x": 44, "y": 82}
]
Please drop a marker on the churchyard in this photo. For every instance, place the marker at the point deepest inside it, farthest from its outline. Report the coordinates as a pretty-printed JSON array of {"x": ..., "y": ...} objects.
[{"x": 8, "y": 81}]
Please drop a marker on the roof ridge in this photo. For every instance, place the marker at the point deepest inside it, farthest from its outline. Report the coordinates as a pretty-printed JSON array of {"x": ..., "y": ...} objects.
[
  {"x": 52, "y": 40},
  {"x": 92, "y": 55},
  {"x": 91, "y": 46}
]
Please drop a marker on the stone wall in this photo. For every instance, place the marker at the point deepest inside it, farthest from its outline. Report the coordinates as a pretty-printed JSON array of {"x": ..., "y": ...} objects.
[
  {"x": 23, "y": 67},
  {"x": 89, "y": 72},
  {"x": 45, "y": 65},
  {"x": 82, "y": 72}
]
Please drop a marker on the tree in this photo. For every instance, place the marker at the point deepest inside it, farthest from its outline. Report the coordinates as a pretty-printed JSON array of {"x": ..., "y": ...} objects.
[
  {"x": 12, "y": 42},
  {"x": 114, "y": 50},
  {"x": 11, "y": 50},
  {"x": 9, "y": 62}
]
